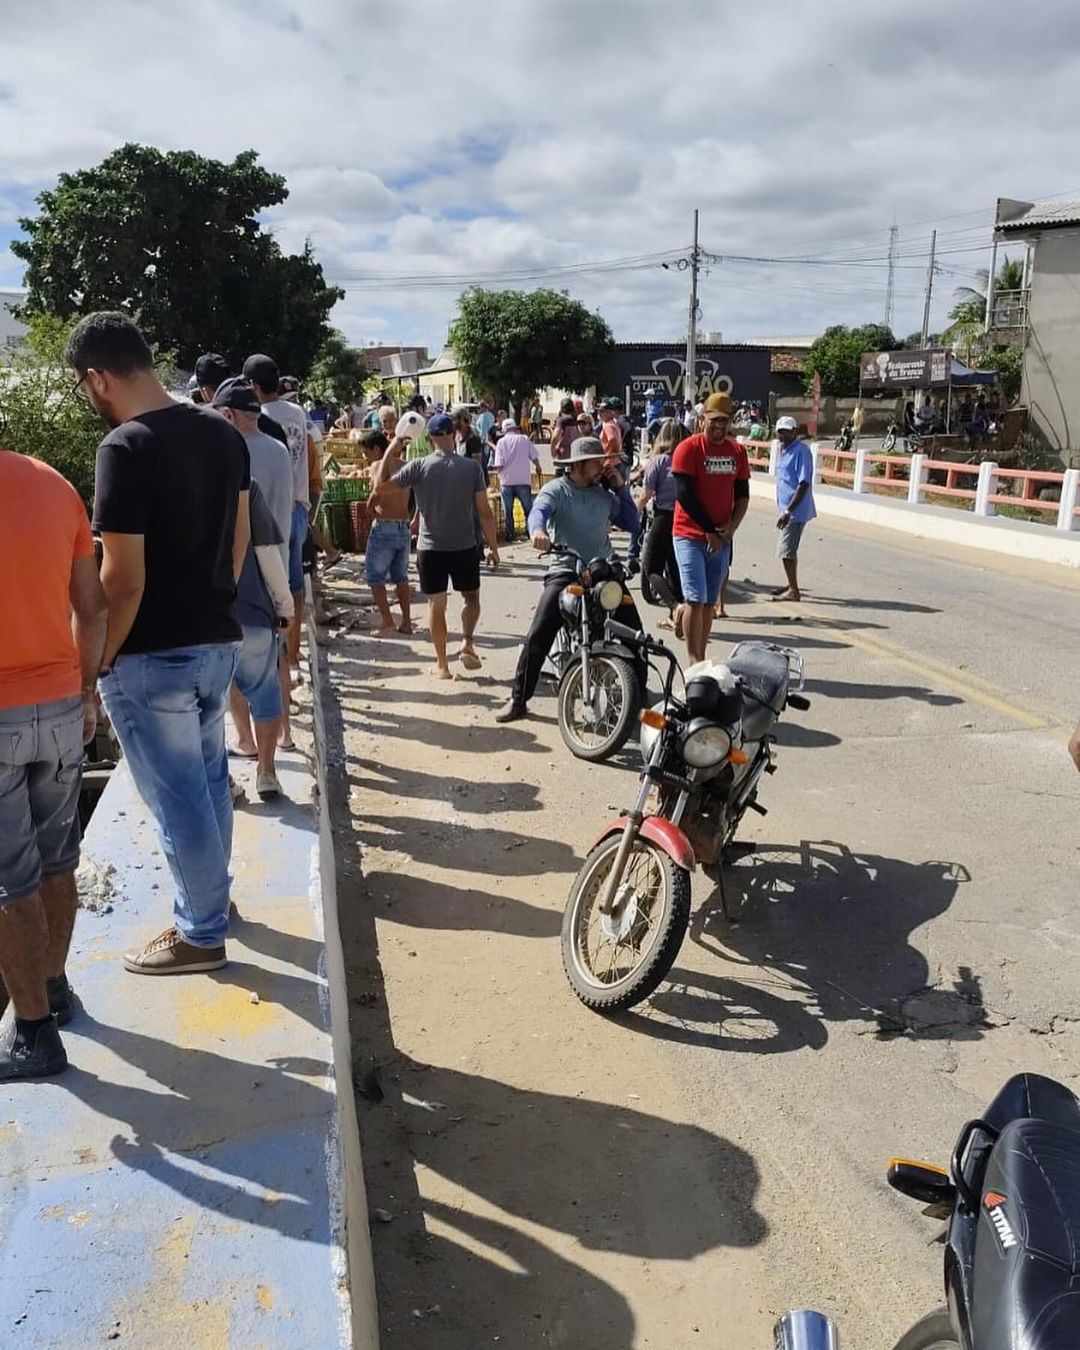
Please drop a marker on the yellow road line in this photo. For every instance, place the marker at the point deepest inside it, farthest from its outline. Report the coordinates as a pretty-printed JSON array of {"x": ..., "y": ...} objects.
[{"x": 933, "y": 674}]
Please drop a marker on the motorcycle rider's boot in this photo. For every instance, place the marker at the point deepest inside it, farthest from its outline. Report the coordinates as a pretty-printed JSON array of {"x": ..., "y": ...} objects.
[{"x": 511, "y": 711}]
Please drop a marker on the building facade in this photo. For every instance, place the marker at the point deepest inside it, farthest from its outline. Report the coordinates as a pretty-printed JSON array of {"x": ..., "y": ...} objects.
[
  {"x": 1043, "y": 318},
  {"x": 12, "y": 332}
]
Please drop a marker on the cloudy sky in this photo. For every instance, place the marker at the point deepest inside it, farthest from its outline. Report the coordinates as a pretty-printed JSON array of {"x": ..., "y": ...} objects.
[{"x": 428, "y": 144}]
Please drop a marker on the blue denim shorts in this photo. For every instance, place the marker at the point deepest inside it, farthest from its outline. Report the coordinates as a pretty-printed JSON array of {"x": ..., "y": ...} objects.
[
  {"x": 257, "y": 673},
  {"x": 387, "y": 555},
  {"x": 41, "y": 757},
  {"x": 702, "y": 573},
  {"x": 297, "y": 536}
]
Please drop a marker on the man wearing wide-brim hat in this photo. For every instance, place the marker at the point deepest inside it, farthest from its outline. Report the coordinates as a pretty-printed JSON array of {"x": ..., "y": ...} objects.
[{"x": 573, "y": 513}]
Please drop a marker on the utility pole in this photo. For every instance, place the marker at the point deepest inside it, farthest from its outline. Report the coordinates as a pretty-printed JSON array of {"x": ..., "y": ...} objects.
[
  {"x": 989, "y": 314},
  {"x": 689, "y": 379},
  {"x": 929, "y": 289},
  {"x": 894, "y": 236}
]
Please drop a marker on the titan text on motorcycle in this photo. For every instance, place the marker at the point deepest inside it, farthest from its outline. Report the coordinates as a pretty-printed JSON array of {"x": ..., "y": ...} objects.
[
  {"x": 705, "y": 755},
  {"x": 1011, "y": 1202}
]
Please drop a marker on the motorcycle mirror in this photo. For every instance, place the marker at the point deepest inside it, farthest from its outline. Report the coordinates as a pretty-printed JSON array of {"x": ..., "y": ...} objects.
[
  {"x": 662, "y": 590},
  {"x": 922, "y": 1181}
]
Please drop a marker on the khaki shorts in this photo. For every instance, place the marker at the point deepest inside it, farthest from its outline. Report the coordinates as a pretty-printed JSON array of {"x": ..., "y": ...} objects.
[{"x": 787, "y": 546}]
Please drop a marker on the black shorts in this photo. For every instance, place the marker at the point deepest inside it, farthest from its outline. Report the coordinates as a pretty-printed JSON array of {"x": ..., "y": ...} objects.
[{"x": 437, "y": 567}]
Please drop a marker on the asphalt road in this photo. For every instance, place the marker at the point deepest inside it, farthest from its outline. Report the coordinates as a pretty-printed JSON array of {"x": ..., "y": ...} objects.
[{"x": 680, "y": 1176}]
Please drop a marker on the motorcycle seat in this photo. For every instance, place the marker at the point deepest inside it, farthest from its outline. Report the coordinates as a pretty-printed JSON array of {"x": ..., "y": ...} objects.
[
  {"x": 765, "y": 674},
  {"x": 1027, "y": 1246}
]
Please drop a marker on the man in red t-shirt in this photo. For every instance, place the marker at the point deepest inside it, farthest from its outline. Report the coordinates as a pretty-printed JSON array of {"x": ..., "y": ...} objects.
[
  {"x": 712, "y": 483},
  {"x": 52, "y": 616}
]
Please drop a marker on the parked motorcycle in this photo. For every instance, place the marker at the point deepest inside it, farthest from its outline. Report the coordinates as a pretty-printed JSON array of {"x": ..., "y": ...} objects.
[
  {"x": 1011, "y": 1199},
  {"x": 601, "y": 679},
  {"x": 912, "y": 440},
  {"x": 705, "y": 755}
]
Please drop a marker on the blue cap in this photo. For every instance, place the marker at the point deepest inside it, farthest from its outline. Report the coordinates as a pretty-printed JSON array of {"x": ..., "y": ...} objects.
[{"x": 440, "y": 425}]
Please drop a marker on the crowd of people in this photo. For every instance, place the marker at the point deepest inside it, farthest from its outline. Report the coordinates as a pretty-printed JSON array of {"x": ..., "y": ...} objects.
[
  {"x": 205, "y": 512},
  {"x": 203, "y": 509}
]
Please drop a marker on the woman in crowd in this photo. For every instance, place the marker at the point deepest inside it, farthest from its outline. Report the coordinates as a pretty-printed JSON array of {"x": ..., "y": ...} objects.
[{"x": 658, "y": 553}]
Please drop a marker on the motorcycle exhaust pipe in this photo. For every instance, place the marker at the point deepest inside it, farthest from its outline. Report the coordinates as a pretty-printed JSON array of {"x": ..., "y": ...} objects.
[{"x": 805, "y": 1330}]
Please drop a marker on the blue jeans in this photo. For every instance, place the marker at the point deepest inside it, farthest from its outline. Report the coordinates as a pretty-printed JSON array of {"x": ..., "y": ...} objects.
[
  {"x": 633, "y": 553},
  {"x": 523, "y": 493},
  {"x": 168, "y": 711}
]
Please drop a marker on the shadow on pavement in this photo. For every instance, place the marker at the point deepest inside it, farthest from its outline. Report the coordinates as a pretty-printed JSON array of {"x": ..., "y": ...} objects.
[
  {"x": 420, "y": 903},
  {"x": 852, "y": 689},
  {"x": 465, "y": 795},
  {"x": 900, "y": 606},
  {"x": 836, "y": 925},
  {"x": 216, "y": 1109}
]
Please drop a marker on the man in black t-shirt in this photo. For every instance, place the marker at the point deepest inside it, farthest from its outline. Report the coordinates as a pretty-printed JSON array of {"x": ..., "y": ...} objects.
[
  {"x": 171, "y": 506},
  {"x": 470, "y": 444}
]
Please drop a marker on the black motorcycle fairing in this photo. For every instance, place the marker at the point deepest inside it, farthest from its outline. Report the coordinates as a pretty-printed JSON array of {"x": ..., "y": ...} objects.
[
  {"x": 764, "y": 675},
  {"x": 1026, "y": 1285},
  {"x": 1030, "y": 1095},
  {"x": 1026, "y": 1096}
]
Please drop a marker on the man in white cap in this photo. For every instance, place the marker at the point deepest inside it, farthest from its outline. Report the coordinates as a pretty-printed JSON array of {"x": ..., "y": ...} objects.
[
  {"x": 795, "y": 498},
  {"x": 515, "y": 454},
  {"x": 572, "y": 513}
]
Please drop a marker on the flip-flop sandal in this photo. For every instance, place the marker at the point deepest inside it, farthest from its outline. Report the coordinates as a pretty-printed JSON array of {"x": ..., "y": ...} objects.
[
  {"x": 234, "y": 753},
  {"x": 287, "y": 745},
  {"x": 471, "y": 661}
]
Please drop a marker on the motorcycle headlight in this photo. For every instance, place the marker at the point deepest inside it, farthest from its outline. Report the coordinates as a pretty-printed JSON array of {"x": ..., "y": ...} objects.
[
  {"x": 705, "y": 744},
  {"x": 609, "y": 594}
]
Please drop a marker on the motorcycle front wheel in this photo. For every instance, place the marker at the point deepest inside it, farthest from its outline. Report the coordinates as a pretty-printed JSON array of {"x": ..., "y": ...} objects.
[
  {"x": 888, "y": 445},
  {"x": 615, "y": 960},
  {"x": 595, "y": 729},
  {"x": 932, "y": 1332}
]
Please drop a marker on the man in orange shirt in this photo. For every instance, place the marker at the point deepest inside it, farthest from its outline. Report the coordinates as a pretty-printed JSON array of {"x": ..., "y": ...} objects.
[{"x": 53, "y": 617}]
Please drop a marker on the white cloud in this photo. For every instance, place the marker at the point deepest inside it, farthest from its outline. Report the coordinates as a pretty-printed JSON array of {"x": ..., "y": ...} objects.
[{"x": 574, "y": 133}]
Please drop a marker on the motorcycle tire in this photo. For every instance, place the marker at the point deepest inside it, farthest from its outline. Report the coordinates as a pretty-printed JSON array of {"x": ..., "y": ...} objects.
[
  {"x": 624, "y": 690},
  {"x": 888, "y": 445},
  {"x": 932, "y": 1332},
  {"x": 668, "y": 930}
]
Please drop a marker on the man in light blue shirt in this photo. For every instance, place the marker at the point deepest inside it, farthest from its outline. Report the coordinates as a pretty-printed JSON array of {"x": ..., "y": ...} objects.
[
  {"x": 795, "y": 498},
  {"x": 571, "y": 515}
]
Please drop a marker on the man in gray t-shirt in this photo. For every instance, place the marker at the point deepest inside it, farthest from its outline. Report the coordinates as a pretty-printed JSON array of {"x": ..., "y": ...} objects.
[
  {"x": 270, "y": 465},
  {"x": 450, "y": 495}
]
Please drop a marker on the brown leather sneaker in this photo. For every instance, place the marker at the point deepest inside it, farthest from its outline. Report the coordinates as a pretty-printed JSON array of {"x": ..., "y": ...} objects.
[{"x": 169, "y": 954}]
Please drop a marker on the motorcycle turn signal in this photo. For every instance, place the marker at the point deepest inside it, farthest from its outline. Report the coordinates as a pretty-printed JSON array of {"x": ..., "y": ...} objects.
[{"x": 921, "y": 1181}]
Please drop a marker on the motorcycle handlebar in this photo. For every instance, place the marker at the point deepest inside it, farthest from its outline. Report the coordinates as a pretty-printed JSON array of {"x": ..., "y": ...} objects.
[{"x": 635, "y": 637}]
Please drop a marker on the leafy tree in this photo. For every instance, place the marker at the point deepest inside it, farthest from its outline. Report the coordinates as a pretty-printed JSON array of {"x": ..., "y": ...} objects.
[
  {"x": 512, "y": 342},
  {"x": 968, "y": 314},
  {"x": 1009, "y": 364},
  {"x": 835, "y": 356},
  {"x": 174, "y": 238},
  {"x": 39, "y": 412},
  {"x": 338, "y": 373}
]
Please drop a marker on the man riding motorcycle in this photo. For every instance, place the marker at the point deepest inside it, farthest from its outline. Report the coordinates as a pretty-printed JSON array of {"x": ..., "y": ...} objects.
[{"x": 571, "y": 514}]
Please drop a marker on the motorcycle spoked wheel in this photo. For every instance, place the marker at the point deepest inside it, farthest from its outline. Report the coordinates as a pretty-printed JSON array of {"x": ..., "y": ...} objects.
[
  {"x": 614, "y": 961},
  {"x": 932, "y": 1332},
  {"x": 888, "y": 445},
  {"x": 596, "y": 730}
]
